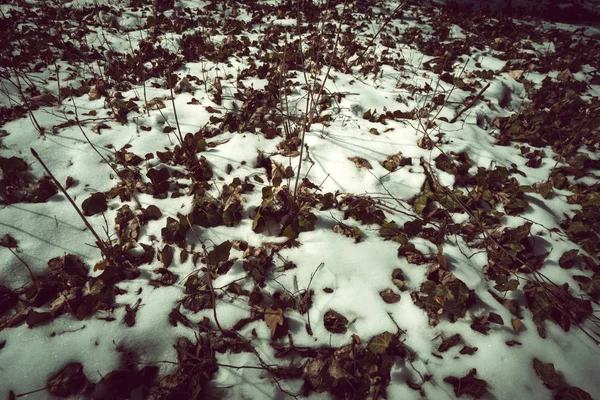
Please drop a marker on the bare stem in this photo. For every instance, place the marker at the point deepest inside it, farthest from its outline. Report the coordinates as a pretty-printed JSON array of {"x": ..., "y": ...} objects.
[
  {"x": 107, "y": 252},
  {"x": 175, "y": 110},
  {"x": 102, "y": 157},
  {"x": 24, "y": 263}
]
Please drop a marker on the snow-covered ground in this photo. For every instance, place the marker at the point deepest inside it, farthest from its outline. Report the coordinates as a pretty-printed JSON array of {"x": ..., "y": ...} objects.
[{"x": 441, "y": 240}]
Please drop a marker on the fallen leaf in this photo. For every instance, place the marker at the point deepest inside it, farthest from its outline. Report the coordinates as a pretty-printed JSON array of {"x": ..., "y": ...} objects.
[
  {"x": 448, "y": 343},
  {"x": 516, "y": 324},
  {"x": 130, "y": 313},
  {"x": 360, "y": 162},
  {"x": 572, "y": 393},
  {"x": 335, "y": 322},
  {"x": 380, "y": 343},
  {"x": 516, "y": 74},
  {"x": 273, "y": 318},
  {"x": 94, "y": 204},
  {"x": 8, "y": 241},
  {"x": 389, "y": 296},
  {"x": 547, "y": 374},
  {"x": 183, "y": 85},
  {"x": 467, "y": 350},
  {"x": 469, "y": 385},
  {"x": 69, "y": 381},
  {"x": 35, "y": 318},
  {"x": 166, "y": 256},
  {"x": 495, "y": 319}
]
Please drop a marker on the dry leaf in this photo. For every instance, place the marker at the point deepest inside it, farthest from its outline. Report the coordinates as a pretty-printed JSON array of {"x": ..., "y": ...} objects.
[
  {"x": 516, "y": 74},
  {"x": 565, "y": 75},
  {"x": 96, "y": 91},
  {"x": 360, "y": 162},
  {"x": 516, "y": 323},
  {"x": 389, "y": 296},
  {"x": 183, "y": 85},
  {"x": 156, "y": 103},
  {"x": 273, "y": 319}
]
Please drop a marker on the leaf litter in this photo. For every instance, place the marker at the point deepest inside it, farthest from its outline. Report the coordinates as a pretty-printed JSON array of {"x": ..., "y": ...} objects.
[{"x": 217, "y": 260}]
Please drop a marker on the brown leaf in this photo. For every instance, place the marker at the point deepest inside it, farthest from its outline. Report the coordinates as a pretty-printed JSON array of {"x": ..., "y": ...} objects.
[
  {"x": 468, "y": 350},
  {"x": 167, "y": 278},
  {"x": 348, "y": 231},
  {"x": 36, "y": 318},
  {"x": 389, "y": 296},
  {"x": 273, "y": 319},
  {"x": 569, "y": 259},
  {"x": 166, "y": 256},
  {"x": 183, "y": 85},
  {"x": 380, "y": 343},
  {"x": 565, "y": 75},
  {"x": 411, "y": 253},
  {"x": 315, "y": 373},
  {"x": 495, "y": 319},
  {"x": 156, "y": 103},
  {"x": 572, "y": 393},
  {"x": 94, "y": 204},
  {"x": 70, "y": 182},
  {"x": 46, "y": 99},
  {"x": 213, "y": 110},
  {"x": 335, "y": 322},
  {"x": 8, "y": 241},
  {"x": 101, "y": 265},
  {"x": 516, "y": 324},
  {"x": 130, "y": 313},
  {"x": 360, "y": 162},
  {"x": 547, "y": 374},
  {"x": 468, "y": 385},
  {"x": 152, "y": 213},
  {"x": 68, "y": 381},
  {"x": 516, "y": 74},
  {"x": 450, "y": 342}
]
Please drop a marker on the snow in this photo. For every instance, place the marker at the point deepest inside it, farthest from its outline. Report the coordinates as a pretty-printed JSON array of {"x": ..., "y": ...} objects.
[{"x": 345, "y": 276}]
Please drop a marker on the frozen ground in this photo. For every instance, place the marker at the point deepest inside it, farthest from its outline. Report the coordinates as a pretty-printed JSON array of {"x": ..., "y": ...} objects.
[{"x": 441, "y": 240}]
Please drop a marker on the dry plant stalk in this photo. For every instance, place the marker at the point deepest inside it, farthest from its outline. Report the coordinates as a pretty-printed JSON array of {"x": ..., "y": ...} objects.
[
  {"x": 131, "y": 191},
  {"x": 311, "y": 101},
  {"x": 105, "y": 250},
  {"x": 180, "y": 137},
  {"x": 538, "y": 277}
]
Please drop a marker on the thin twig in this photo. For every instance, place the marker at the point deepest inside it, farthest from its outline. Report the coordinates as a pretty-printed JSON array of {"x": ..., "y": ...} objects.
[
  {"x": 312, "y": 275},
  {"x": 131, "y": 191},
  {"x": 24, "y": 263},
  {"x": 471, "y": 104},
  {"x": 107, "y": 253},
  {"x": 175, "y": 110}
]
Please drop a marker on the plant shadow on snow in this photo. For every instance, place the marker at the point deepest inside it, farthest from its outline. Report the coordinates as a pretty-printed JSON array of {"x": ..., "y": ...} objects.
[{"x": 208, "y": 85}]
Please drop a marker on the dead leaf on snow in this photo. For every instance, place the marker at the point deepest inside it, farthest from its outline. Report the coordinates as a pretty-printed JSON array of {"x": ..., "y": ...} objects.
[
  {"x": 348, "y": 231},
  {"x": 273, "y": 318},
  {"x": 183, "y": 85},
  {"x": 360, "y": 162},
  {"x": 516, "y": 324},
  {"x": 516, "y": 74},
  {"x": 469, "y": 385},
  {"x": 94, "y": 204},
  {"x": 335, "y": 322},
  {"x": 547, "y": 374},
  {"x": 156, "y": 103},
  {"x": 46, "y": 99},
  {"x": 130, "y": 313},
  {"x": 565, "y": 75},
  {"x": 450, "y": 342},
  {"x": 389, "y": 296},
  {"x": 69, "y": 381},
  {"x": 380, "y": 343}
]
